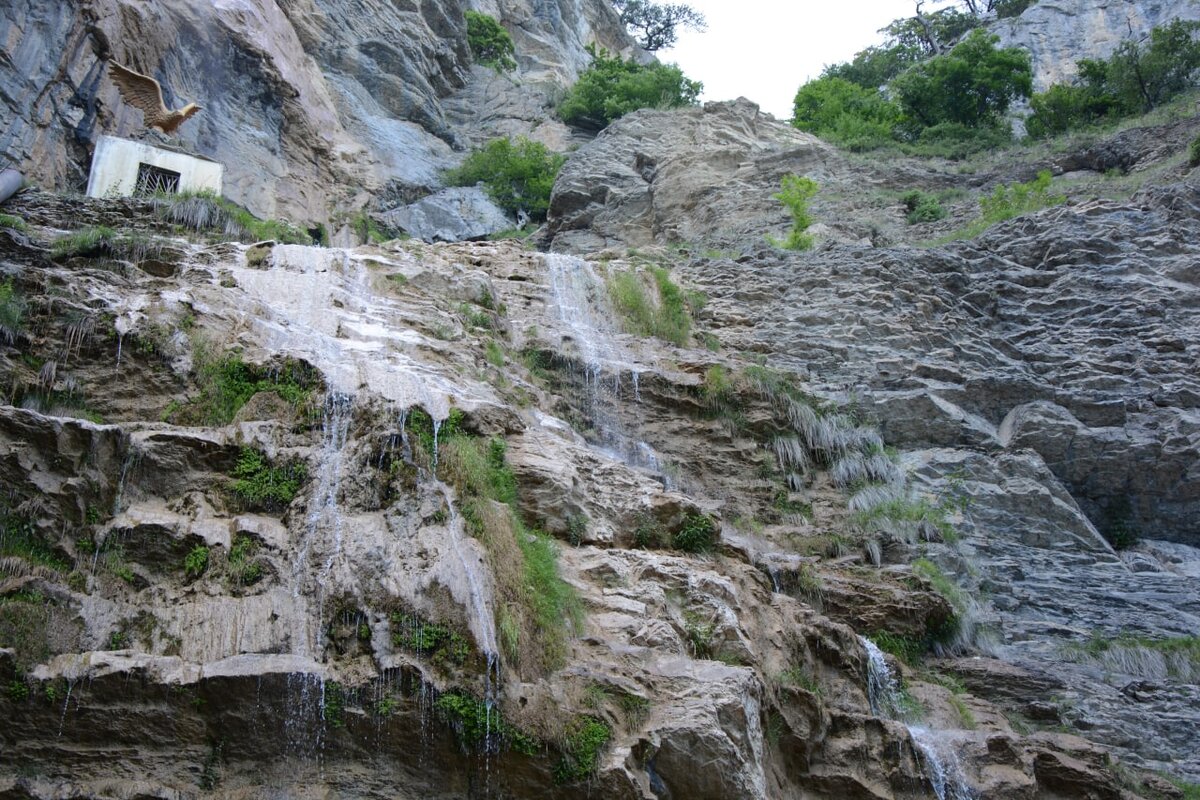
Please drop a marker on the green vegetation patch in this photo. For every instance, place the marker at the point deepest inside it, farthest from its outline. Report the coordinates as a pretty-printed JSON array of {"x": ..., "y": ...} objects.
[
  {"x": 1178, "y": 657},
  {"x": 518, "y": 174},
  {"x": 697, "y": 534},
  {"x": 1140, "y": 76},
  {"x": 208, "y": 212},
  {"x": 240, "y": 564},
  {"x": 490, "y": 43},
  {"x": 12, "y": 311},
  {"x": 668, "y": 319},
  {"x": 36, "y": 628},
  {"x": 19, "y": 538},
  {"x": 537, "y": 607},
  {"x": 946, "y": 104},
  {"x": 921, "y": 207},
  {"x": 795, "y": 193},
  {"x": 612, "y": 87},
  {"x": 919, "y": 511},
  {"x": 260, "y": 485},
  {"x": 479, "y": 727},
  {"x": 12, "y": 222},
  {"x": 196, "y": 561},
  {"x": 584, "y": 742},
  {"x": 1006, "y": 202},
  {"x": 226, "y": 383},
  {"x": 437, "y": 642}
]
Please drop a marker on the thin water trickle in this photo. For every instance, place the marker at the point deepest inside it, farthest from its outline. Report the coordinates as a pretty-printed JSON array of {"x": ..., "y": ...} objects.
[
  {"x": 62, "y": 720},
  {"x": 588, "y": 322},
  {"x": 483, "y": 621},
  {"x": 437, "y": 426}
]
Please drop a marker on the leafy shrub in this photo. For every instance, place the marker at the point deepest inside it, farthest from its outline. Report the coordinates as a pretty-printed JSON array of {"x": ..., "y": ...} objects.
[
  {"x": 1006, "y": 202},
  {"x": 226, "y": 383},
  {"x": 907, "y": 43},
  {"x": 518, "y": 175},
  {"x": 1193, "y": 161},
  {"x": 971, "y": 85},
  {"x": 922, "y": 207},
  {"x": 490, "y": 43},
  {"x": 259, "y": 484},
  {"x": 698, "y": 534},
  {"x": 1062, "y": 108},
  {"x": 795, "y": 194},
  {"x": 584, "y": 741},
  {"x": 479, "y": 726},
  {"x": 613, "y": 87},
  {"x": 196, "y": 561},
  {"x": 428, "y": 639},
  {"x": 845, "y": 113},
  {"x": 243, "y": 569}
]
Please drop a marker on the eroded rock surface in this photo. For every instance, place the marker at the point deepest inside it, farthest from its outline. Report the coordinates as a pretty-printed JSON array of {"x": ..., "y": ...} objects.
[{"x": 314, "y": 107}]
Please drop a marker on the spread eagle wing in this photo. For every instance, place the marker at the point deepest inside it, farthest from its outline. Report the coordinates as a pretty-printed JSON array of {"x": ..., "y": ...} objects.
[{"x": 140, "y": 91}]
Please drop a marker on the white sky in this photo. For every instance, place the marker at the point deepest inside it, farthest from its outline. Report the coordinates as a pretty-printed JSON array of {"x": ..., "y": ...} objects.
[{"x": 765, "y": 49}]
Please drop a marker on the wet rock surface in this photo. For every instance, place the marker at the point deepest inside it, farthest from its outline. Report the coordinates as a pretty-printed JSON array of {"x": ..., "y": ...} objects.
[{"x": 292, "y": 644}]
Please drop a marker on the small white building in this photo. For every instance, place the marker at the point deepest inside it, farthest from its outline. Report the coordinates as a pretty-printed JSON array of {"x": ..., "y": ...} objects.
[{"x": 121, "y": 167}]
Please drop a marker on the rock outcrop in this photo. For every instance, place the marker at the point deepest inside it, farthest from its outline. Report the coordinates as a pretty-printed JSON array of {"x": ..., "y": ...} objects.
[
  {"x": 1060, "y": 33},
  {"x": 681, "y": 176}
]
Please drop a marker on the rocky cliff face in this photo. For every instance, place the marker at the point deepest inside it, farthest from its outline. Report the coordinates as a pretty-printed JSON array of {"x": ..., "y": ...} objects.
[
  {"x": 314, "y": 106},
  {"x": 633, "y": 517},
  {"x": 1059, "y": 33}
]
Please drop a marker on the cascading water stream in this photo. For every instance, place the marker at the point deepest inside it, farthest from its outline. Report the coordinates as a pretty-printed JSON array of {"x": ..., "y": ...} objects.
[
  {"x": 937, "y": 759},
  {"x": 587, "y": 320}
]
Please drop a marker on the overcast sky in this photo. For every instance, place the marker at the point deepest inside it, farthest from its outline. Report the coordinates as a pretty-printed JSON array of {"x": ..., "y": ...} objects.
[{"x": 764, "y": 49}]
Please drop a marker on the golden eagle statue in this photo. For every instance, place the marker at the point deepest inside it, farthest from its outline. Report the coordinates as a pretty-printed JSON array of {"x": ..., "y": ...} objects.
[{"x": 145, "y": 94}]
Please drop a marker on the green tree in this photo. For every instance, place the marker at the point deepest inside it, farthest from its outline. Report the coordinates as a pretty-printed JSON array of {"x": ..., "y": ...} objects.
[
  {"x": 1138, "y": 77},
  {"x": 491, "y": 44},
  {"x": 908, "y": 42},
  {"x": 1144, "y": 76},
  {"x": 655, "y": 25},
  {"x": 972, "y": 85},
  {"x": 518, "y": 175},
  {"x": 845, "y": 113},
  {"x": 612, "y": 87}
]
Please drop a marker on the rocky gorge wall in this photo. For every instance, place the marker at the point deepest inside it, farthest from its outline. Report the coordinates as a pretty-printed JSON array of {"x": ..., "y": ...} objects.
[
  {"x": 315, "y": 107},
  {"x": 452, "y": 520}
]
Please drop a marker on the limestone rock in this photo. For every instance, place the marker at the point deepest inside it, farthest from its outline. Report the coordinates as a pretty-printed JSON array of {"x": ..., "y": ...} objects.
[
  {"x": 449, "y": 215},
  {"x": 1059, "y": 33},
  {"x": 672, "y": 176}
]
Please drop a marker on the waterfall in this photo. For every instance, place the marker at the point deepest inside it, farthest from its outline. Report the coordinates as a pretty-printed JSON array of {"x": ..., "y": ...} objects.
[
  {"x": 934, "y": 753},
  {"x": 587, "y": 320}
]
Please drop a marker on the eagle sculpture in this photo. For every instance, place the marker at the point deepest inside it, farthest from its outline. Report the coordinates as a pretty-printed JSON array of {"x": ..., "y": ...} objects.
[{"x": 145, "y": 94}]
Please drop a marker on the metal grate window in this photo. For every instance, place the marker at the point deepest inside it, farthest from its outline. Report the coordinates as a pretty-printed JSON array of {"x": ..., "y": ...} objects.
[{"x": 156, "y": 180}]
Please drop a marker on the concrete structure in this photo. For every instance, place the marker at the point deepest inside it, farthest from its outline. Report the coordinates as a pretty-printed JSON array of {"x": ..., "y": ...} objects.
[{"x": 121, "y": 168}]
